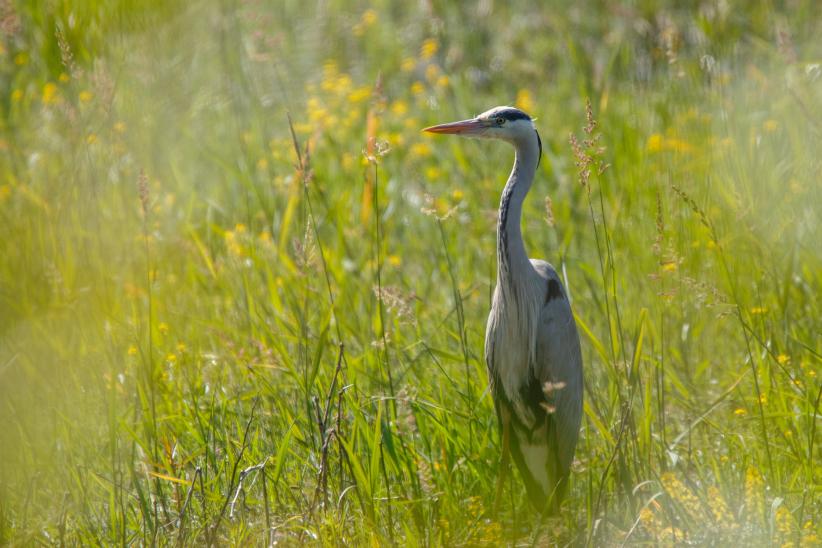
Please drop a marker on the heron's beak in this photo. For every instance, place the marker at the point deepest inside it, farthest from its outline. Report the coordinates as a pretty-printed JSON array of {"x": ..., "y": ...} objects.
[{"x": 463, "y": 127}]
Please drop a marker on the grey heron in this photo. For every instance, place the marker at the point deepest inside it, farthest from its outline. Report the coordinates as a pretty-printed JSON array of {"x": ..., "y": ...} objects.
[{"x": 532, "y": 348}]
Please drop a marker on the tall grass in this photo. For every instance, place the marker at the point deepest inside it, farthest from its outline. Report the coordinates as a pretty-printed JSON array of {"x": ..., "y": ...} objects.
[{"x": 243, "y": 299}]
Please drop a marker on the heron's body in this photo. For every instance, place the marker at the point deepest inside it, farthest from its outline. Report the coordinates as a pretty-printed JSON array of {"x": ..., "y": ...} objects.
[{"x": 531, "y": 344}]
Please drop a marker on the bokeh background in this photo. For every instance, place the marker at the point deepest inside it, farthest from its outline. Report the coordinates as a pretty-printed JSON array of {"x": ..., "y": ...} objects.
[{"x": 243, "y": 298}]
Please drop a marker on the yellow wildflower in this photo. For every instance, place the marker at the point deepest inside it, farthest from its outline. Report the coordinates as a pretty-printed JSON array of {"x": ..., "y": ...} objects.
[
  {"x": 758, "y": 310},
  {"x": 525, "y": 101},
  {"x": 420, "y": 150},
  {"x": 739, "y": 412},
  {"x": 654, "y": 143},
  {"x": 394, "y": 260},
  {"x": 64, "y": 77},
  {"x": 17, "y": 95},
  {"x": 368, "y": 18},
  {"x": 395, "y": 139},
  {"x": 723, "y": 517},
  {"x": 353, "y": 117},
  {"x": 240, "y": 228},
  {"x": 85, "y": 96},
  {"x": 91, "y": 138},
  {"x": 262, "y": 164},
  {"x": 429, "y": 48},
  {"x": 433, "y": 173},
  {"x": 163, "y": 328},
  {"x": 490, "y": 533},
  {"x": 443, "y": 81},
  {"x": 677, "y": 145},
  {"x": 330, "y": 70},
  {"x": 21, "y": 58},
  {"x": 181, "y": 347},
  {"x": 399, "y": 107},
  {"x": 408, "y": 64},
  {"x": 650, "y": 522},
  {"x": 669, "y": 266},
  {"x": 50, "y": 93},
  {"x": 770, "y": 125},
  {"x": 234, "y": 247},
  {"x": 783, "y": 359},
  {"x": 360, "y": 94},
  {"x": 809, "y": 536},
  {"x": 785, "y": 522},
  {"x": 343, "y": 84},
  {"x": 754, "y": 497},
  {"x": 417, "y": 88},
  {"x": 132, "y": 350},
  {"x": 659, "y": 143},
  {"x": 120, "y": 127},
  {"x": 672, "y": 534},
  {"x": 315, "y": 109},
  {"x": 171, "y": 358},
  {"x": 683, "y": 495}
]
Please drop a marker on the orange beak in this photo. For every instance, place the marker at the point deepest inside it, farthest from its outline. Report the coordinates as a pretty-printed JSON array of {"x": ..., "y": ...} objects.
[{"x": 463, "y": 127}]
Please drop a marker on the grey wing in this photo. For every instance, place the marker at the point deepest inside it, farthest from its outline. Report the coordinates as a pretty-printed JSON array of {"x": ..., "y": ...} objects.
[{"x": 559, "y": 360}]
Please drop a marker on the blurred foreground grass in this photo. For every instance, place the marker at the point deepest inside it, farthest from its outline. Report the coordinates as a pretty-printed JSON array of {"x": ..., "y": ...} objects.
[{"x": 206, "y": 337}]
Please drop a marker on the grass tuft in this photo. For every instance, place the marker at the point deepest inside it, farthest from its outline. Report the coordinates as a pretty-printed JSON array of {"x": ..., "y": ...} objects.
[{"x": 243, "y": 297}]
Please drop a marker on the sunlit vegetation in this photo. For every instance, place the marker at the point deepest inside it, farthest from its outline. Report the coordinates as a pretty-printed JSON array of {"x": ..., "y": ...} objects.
[{"x": 243, "y": 297}]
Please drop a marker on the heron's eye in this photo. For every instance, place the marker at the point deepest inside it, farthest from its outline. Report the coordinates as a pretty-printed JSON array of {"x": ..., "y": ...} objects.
[{"x": 499, "y": 120}]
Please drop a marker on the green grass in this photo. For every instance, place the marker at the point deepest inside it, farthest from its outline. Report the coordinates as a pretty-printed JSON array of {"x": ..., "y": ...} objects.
[{"x": 208, "y": 337}]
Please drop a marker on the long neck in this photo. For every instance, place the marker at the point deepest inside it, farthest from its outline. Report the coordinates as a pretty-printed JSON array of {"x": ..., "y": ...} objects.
[{"x": 512, "y": 260}]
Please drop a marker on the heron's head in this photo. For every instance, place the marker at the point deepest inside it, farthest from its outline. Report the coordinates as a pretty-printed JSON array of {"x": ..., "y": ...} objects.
[{"x": 506, "y": 123}]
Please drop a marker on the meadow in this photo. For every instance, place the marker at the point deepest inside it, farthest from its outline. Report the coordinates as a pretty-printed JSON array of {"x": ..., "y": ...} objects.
[{"x": 243, "y": 297}]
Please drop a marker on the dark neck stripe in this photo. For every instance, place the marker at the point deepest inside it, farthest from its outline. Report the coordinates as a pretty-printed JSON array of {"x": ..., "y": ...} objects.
[
  {"x": 539, "y": 142},
  {"x": 502, "y": 228}
]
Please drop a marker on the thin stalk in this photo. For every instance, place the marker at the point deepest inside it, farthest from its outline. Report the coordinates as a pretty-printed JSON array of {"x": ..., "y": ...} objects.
[
  {"x": 382, "y": 355},
  {"x": 612, "y": 270},
  {"x": 212, "y": 532},
  {"x": 738, "y": 309},
  {"x": 455, "y": 290},
  {"x": 388, "y": 492},
  {"x": 811, "y": 440},
  {"x": 150, "y": 373},
  {"x": 302, "y": 168}
]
